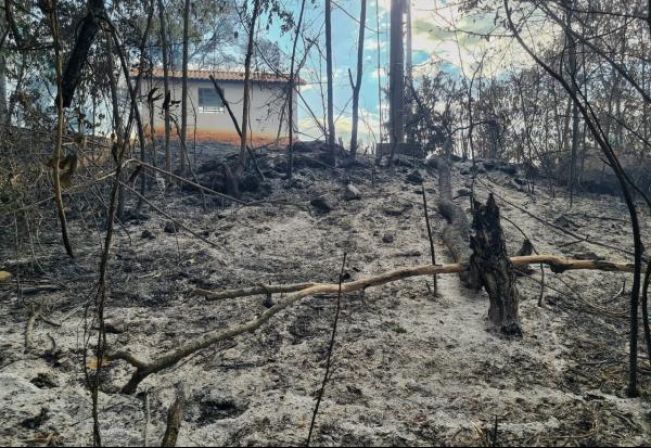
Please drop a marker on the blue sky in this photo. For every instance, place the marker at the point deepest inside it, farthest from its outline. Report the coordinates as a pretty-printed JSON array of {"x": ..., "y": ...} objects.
[{"x": 443, "y": 39}]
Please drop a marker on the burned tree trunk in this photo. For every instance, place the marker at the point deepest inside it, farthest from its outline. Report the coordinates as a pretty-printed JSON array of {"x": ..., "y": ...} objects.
[
  {"x": 456, "y": 234},
  {"x": 357, "y": 84},
  {"x": 495, "y": 269},
  {"x": 74, "y": 67},
  {"x": 330, "y": 78}
]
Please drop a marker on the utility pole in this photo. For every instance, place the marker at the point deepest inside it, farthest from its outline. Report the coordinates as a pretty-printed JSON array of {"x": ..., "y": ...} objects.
[{"x": 397, "y": 73}]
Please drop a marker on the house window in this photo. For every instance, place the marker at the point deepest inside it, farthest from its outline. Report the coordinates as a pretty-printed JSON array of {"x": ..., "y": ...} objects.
[{"x": 209, "y": 101}]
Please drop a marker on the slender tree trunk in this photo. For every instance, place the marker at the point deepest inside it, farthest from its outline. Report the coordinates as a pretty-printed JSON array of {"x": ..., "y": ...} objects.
[
  {"x": 292, "y": 79},
  {"x": 3, "y": 88},
  {"x": 247, "y": 86},
  {"x": 329, "y": 75},
  {"x": 58, "y": 147},
  {"x": 18, "y": 88},
  {"x": 397, "y": 75},
  {"x": 166, "y": 86},
  {"x": 602, "y": 141},
  {"x": 143, "y": 59},
  {"x": 184, "y": 88},
  {"x": 3, "y": 68},
  {"x": 379, "y": 74},
  {"x": 357, "y": 86},
  {"x": 571, "y": 42},
  {"x": 118, "y": 127}
]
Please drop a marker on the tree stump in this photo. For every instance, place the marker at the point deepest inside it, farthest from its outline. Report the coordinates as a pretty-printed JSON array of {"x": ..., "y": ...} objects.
[{"x": 495, "y": 270}]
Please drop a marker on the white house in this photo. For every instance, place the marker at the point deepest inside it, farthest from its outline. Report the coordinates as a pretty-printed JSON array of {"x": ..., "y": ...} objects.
[{"x": 208, "y": 119}]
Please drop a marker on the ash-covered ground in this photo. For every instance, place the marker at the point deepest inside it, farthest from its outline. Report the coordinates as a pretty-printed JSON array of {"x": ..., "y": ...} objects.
[{"x": 410, "y": 368}]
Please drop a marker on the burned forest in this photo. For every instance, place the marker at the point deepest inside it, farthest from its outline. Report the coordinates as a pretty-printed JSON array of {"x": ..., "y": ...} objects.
[{"x": 325, "y": 223}]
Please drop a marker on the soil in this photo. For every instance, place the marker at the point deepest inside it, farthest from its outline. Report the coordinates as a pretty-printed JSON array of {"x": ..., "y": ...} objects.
[{"x": 410, "y": 367}]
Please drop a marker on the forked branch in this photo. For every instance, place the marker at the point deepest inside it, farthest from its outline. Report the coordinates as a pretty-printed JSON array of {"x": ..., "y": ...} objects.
[{"x": 170, "y": 358}]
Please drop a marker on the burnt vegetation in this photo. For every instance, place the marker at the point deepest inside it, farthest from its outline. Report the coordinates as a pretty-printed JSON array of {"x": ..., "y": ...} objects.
[{"x": 214, "y": 226}]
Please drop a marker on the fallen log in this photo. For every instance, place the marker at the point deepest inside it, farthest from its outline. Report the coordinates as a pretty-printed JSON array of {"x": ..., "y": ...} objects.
[
  {"x": 456, "y": 234},
  {"x": 144, "y": 368}
]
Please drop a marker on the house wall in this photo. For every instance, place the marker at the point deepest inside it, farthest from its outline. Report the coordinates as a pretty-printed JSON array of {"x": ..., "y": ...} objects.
[{"x": 267, "y": 100}]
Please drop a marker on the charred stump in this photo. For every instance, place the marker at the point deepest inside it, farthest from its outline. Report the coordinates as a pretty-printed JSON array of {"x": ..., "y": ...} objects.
[
  {"x": 456, "y": 234},
  {"x": 495, "y": 269}
]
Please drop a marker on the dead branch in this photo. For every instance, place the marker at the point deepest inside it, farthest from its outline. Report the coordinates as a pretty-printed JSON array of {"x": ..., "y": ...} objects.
[
  {"x": 174, "y": 420},
  {"x": 168, "y": 359},
  {"x": 252, "y": 291},
  {"x": 579, "y": 239},
  {"x": 54, "y": 26},
  {"x": 431, "y": 239},
  {"x": 331, "y": 346},
  {"x": 145, "y": 429},
  {"x": 29, "y": 327},
  {"x": 227, "y": 105},
  {"x": 558, "y": 264}
]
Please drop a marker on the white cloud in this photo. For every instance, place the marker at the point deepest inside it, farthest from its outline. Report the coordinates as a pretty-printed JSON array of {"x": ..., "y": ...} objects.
[
  {"x": 450, "y": 35},
  {"x": 376, "y": 73},
  {"x": 372, "y": 44}
]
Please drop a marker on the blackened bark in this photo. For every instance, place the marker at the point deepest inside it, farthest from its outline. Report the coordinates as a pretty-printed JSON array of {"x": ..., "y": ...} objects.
[
  {"x": 74, "y": 67},
  {"x": 166, "y": 85},
  {"x": 494, "y": 268},
  {"x": 357, "y": 85}
]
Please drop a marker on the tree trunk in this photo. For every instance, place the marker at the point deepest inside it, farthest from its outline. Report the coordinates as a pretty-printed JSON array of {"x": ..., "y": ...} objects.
[
  {"x": 3, "y": 73},
  {"x": 3, "y": 89},
  {"x": 118, "y": 127},
  {"x": 603, "y": 142},
  {"x": 292, "y": 80},
  {"x": 379, "y": 78},
  {"x": 571, "y": 43},
  {"x": 495, "y": 269},
  {"x": 397, "y": 74},
  {"x": 329, "y": 75},
  {"x": 247, "y": 81},
  {"x": 89, "y": 27},
  {"x": 167, "y": 94},
  {"x": 184, "y": 87},
  {"x": 141, "y": 136},
  {"x": 357, "y": 86}
]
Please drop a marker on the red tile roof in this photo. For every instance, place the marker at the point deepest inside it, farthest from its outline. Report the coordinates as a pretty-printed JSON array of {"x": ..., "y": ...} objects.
[{"x": 222, "y": 75}]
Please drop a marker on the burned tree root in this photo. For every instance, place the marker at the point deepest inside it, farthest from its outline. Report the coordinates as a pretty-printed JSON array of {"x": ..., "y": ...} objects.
[{"x": 170, "y": 358}]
